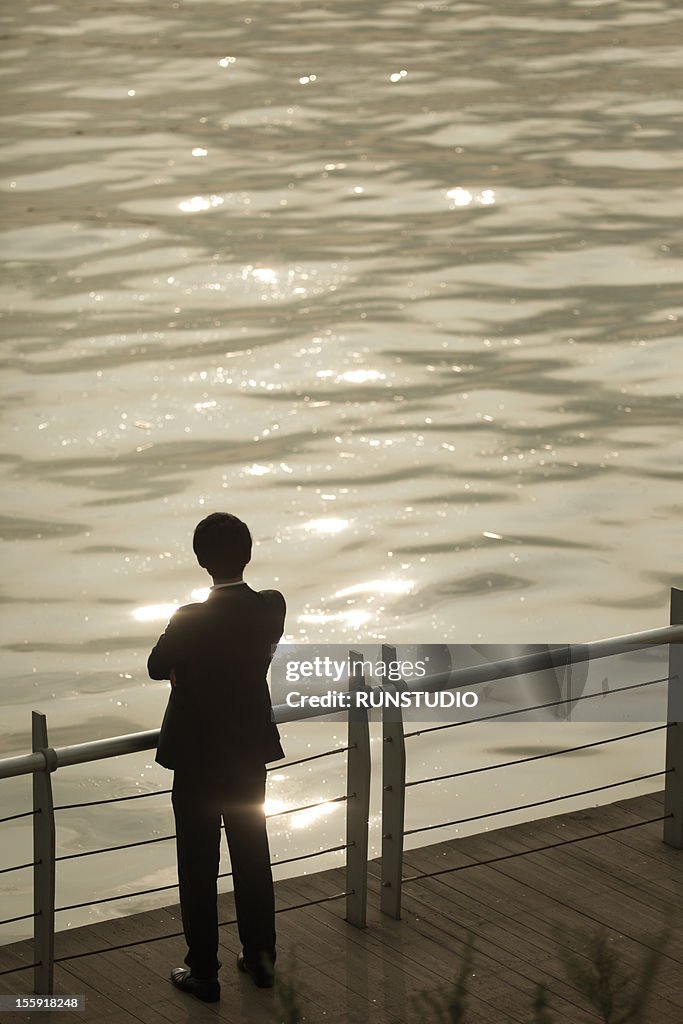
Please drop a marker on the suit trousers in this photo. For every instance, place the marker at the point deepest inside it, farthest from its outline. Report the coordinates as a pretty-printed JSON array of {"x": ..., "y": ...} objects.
[{"x": 199, "y": 806}]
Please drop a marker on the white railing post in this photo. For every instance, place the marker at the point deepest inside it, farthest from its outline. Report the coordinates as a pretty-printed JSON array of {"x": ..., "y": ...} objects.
[
  {"x": 358, "y": 800},
  {"x": 44, "y": 861},
  {"x": 673, "y": 785},
  {"x": 393, "y": 797}
]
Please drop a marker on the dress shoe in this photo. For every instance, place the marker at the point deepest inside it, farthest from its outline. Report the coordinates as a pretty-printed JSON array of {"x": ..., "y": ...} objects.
[
  {"x": 263, "y": 976},
  {"x": 206, "y": 990}
]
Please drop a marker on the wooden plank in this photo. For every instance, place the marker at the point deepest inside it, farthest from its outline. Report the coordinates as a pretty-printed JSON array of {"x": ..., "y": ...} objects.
[
  {"x": 613, "y": 866},
  {"x": 525, "y": 908},
  {"x": 521, "y": 872},
  {"x": 514, "y": 967},
  {"x": 106, "y": 974},
  {"x": 549, "y": 967},
  {"x": 527, "y": 871},
  {"x": 580, "y": 865},
  {"x": 514, "y": 990},
  {"x": 152, "y": 962},
  {"x": 356, "y": 980},
  {"x": 360, "y": 952},
  {"x": 646, "y": 839},
  {"x": 17, "y": 954},
  {"x": 328, "y": 927},
  {"x": 515, "y": 909},
  {"x": 499, "y": 944},
  {"x": 97, "y": 1007}
]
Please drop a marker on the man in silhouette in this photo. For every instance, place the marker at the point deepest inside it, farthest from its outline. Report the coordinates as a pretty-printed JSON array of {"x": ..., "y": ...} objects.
[{"x": 217, "y": 735}]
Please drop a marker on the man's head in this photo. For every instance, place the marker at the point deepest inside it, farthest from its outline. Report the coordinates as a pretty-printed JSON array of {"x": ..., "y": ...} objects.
[{"x": 222, "y": 544}]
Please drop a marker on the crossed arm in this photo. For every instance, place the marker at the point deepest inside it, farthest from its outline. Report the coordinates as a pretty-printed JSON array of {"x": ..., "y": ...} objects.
[
  {"x": 176, "y": 642},
  {"x": 166, "y": 653}
]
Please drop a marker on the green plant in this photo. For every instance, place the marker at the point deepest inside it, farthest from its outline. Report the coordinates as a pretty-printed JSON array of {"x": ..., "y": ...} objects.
[
  {"x": 288, "y": 995},
  {"x": 620, "y": 994},
  {"x": 541, "y": 1007},
  {"x": 450, "y": 1007}
]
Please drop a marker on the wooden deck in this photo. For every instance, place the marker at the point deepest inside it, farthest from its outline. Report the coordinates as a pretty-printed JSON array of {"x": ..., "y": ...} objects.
[{"x": 520, "y": 911}]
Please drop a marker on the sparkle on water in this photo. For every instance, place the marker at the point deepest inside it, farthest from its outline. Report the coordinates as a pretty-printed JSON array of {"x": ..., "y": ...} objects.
[
  {"x": 303, "y": 819},
  {"x": 199, "y": 203},
  {"x": 384, "y": 586},
  {"x": 154, "y": 612},
  {"x": 326, "y": 526}
]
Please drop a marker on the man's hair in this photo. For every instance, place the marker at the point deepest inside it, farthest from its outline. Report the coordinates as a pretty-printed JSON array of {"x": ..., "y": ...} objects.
[{"x": 222, "y": 544}]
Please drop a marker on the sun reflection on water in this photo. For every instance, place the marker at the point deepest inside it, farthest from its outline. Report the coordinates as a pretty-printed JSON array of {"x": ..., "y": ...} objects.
[
  {"x": 154, "y": 612},
  {"x": 300, "y": 819},
  {"x": 463, "y": 197},
  {"x": 326, "y": 526},
  {"x": 265, "y": 274},
  {"x": 354, "y": 617},
  {"x": 198, "y": 203},
  {"x": 163, "y": 612},
  {"x": 361, "y": 376},
  {"x": 385, "y": 586}
]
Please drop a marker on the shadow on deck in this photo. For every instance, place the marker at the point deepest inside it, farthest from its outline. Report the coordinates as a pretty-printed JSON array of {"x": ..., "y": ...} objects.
[{"x": 520, "y": 910}]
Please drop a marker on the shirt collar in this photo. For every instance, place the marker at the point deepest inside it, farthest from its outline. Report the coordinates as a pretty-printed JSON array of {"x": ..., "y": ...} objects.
[{"x": 235, "y": 583}]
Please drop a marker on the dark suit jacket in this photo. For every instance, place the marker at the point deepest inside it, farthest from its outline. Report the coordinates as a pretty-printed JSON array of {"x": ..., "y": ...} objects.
[{"x": 218, "y": 719}]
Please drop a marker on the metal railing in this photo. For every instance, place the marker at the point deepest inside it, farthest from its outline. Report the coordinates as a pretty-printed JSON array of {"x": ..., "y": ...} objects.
[
  {"x": 394, "y": 736},
  {"x": 45, "y": 760}
]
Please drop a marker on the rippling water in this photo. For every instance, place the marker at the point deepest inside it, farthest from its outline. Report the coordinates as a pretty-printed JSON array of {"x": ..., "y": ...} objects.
[{"x": 399, "y": 283}]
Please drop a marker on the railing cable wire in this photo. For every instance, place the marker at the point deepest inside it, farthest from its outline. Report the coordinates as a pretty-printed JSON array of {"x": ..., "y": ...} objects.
[
  {"x": 113, "y": 849},
  {"x": 308, "y": 807},
  {"x": 177, "y": 935},
  {"x": 535, "y": 757},
  {"x": 13, "y": 817},
  {"x": 111, "y": 800},
  {"x": 13, "y": 970},
  {"x": 538, "y": 849},
  {"x": 308, "y": 856},
  {"x": 536, "y": 707},
  {"x": 174, "y": 885},
  {"x": 313, "y": 757},
  {"x": 163, "y": 839},
  {"x": 536, "y": 803},
  {"x": 18, "y": 867},
  {"x": 23, "y": 917}
]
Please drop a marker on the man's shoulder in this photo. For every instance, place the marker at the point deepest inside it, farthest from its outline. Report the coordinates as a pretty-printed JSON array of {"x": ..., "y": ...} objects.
[
  {"x": 190, "y": 609},
  {"x": 273, "y": 597},
  {"x": 187, "y": 612}
]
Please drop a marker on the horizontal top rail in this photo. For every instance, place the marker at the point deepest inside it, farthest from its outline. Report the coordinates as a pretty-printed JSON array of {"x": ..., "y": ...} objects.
[
  {"x": 131, "y": 743},
  {"x": 571, "y": 654},
  {"x": 80, "y": 753}
]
